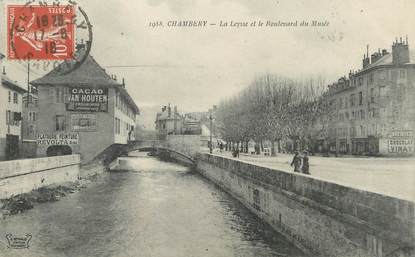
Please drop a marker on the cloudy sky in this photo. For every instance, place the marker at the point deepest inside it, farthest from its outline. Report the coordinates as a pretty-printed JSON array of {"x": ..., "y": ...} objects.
[{"x": 195, "y": 68}]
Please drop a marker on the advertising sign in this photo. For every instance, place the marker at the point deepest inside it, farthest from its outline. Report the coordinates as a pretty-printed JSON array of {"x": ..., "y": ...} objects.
[
  {"x": 84, "y": 122},
  {"x": 58, "y": 139},
  {"x": 87, "y": 99},
  {"x": 401, "y": 141}
]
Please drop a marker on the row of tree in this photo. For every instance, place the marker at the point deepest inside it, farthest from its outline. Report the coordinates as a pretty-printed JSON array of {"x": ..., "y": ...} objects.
[{"x": 273, "y": 108}]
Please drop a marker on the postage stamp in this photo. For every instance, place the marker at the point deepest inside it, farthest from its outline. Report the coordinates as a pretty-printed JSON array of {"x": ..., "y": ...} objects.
[{"x": 40, "y": 32}]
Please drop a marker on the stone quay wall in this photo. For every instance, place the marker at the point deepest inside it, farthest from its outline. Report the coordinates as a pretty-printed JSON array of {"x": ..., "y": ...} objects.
[
  {"x": 23, "y": 176},
  {"x": 321, "y": 218}
]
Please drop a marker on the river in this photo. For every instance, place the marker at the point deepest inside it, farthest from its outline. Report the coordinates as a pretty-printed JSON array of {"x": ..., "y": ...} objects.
[{"x": 155, "y": 209}]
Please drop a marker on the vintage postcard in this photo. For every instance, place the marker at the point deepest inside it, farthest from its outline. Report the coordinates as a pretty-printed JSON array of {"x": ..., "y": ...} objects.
[{"x": 207, "y": 128}]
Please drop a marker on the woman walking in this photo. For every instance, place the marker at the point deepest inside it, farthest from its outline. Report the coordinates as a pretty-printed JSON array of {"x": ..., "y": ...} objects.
[{"x": 305, "y": 167}]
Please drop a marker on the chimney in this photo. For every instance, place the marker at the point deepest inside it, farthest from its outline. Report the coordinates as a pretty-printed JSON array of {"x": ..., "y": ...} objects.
[
  {"x": 169, "y": 110},
  {"x": 375, "y": 56},
  {"x": 163, "y": 108},
  {"x": 400, "y": 52},
  {"x": 366, "y": 61},
  {"x": 123, "y": 83},
  {"x": 384, "y": 52}
]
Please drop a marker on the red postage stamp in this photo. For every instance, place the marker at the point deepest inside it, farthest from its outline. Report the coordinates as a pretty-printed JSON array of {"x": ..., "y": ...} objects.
[{"x": 40, "y": 32}]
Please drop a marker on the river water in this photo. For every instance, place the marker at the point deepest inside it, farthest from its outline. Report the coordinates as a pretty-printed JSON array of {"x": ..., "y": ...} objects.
[{"x": 155, "y": 209}]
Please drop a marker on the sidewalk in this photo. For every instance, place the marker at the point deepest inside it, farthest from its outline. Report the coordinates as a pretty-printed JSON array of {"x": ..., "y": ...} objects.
[{"x": 388, "y": 176}]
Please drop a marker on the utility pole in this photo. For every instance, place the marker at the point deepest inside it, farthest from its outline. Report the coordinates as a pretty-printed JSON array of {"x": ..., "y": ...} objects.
[
  {"x": 28, "y": 82},
  {"x": 211, "y": 126}
]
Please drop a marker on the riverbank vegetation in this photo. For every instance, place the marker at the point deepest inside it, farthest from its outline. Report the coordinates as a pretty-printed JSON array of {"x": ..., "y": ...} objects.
[{"x": 23, "y": 202}]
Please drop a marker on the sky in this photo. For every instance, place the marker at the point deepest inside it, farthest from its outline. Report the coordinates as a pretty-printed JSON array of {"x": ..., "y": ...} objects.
[{"x": 195, "y": 68}]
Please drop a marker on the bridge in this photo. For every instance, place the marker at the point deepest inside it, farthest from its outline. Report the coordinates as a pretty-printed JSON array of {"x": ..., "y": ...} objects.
[{"x": 180, "y": 147}]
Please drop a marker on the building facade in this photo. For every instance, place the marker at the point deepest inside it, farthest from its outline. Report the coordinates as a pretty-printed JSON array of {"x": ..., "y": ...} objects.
[
  {"x": 83, "y": 111},
  {"x": 169, "y": 122},
  {"x": 10, "y": 117},
  {"x": 372, "y": 112}
]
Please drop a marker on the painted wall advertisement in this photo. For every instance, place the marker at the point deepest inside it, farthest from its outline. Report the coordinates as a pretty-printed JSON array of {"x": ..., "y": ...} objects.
[
  {"x": 84, "y": 122},
  {"x": 401, "y": 141},
  {"x": 87, "y": 99},
  {"x": 58, "y": 139}
]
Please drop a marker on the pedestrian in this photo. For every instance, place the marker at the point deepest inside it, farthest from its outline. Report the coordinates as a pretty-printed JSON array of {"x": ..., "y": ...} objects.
[
  {"x": 296, "y": 162},
  {"x": 235, "y": 152},
  {"x": 305, "y": 168}
]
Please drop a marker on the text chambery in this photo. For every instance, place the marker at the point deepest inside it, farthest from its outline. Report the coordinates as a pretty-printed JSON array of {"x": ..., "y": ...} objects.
[{"x": 187, "y": 23}]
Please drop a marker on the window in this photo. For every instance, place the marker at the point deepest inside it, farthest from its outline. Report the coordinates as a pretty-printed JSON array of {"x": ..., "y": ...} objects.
[
  {"x": 30, "y": 129},
  {"x": 34, "y": 116},
  {"x": 8, "y": 117},
  {"x": 371, "y": 78},
  {"x": 360, "y": 98},
  {"x": 15, "y": 98},
  {"x": 372, "y": 95},
  {"x": 60, "y": 123},
  {"x": 60, "y": 95},
  {"x": 402, "y": 74},
  {"x": 10, "y": 96},
  {"x": 117, "y": 126},
  {"x": 360, "y": 81},
  {"x": 362, "y": 114},
  {"x": 352, "y": 100}
]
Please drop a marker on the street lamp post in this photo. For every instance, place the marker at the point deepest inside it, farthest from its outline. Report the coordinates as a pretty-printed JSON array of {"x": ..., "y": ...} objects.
[{"x": 210, "y": 145}]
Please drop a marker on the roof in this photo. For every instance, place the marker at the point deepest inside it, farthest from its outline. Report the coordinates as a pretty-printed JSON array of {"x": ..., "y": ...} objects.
[
  {"x": 129, "y": 99},
  {"x": 387, "y": 60},
  {"x": 165, "y": 115},
  {"x": 90, "y": 73},
  {"x": 6, "y": 81}
]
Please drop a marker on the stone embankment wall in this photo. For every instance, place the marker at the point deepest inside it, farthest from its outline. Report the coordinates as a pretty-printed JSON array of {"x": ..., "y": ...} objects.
[
  {"x": 22, "y": 176},
  {"x": 321, "y": 218}
]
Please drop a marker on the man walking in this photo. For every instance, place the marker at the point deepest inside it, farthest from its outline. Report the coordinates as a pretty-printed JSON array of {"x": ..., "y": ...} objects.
[{"x": 296, "y": 162}]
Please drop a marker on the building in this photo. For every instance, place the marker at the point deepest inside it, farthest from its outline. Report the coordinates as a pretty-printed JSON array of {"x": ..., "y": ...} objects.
[
  {"x": 169, "y": 122},
  {"x": 82, "y": 111},
  {"x": 10, "y": 117},
  {"x": 371, "y": 111}
]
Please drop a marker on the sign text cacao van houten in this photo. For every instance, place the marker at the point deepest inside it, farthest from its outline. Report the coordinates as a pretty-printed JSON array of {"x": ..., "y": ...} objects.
[{"x": 87, "y": 99}]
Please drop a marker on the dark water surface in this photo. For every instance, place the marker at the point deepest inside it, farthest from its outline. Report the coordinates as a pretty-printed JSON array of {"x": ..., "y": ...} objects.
[{"x": 155, "y": 209}]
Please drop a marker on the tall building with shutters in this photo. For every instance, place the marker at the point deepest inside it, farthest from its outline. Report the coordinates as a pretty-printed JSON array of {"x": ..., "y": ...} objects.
[
  {"x": 372, "y": 111},
  {"x": 10, "y": 116},
  {"x": 83, "y": 111}
]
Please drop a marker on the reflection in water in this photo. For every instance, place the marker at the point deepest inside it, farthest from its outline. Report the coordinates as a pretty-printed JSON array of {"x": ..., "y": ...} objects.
[{"x": 154, "y": 209}]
